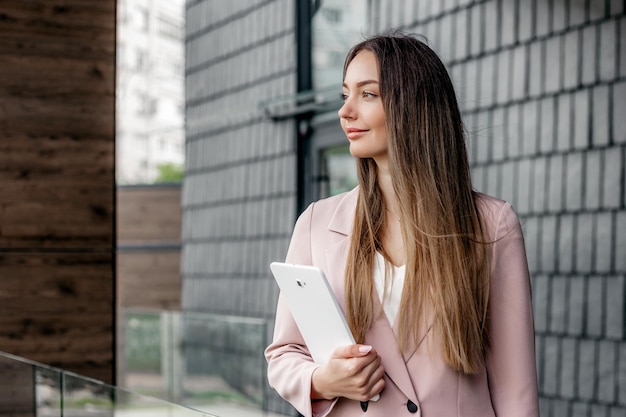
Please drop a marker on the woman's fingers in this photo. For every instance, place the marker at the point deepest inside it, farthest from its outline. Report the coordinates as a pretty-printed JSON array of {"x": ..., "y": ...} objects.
[
  {"x": 370, "y": 380},
  {"x": 353, "y": 371},
  {"x": 352, "y": 351}
]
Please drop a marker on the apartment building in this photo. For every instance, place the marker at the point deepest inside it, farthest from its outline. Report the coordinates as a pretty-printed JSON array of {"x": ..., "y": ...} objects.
[{"x": 150, "y": 98}]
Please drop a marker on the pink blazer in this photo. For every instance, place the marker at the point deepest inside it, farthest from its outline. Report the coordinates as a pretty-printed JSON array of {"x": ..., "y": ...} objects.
[{"x": 417, "y": 382}]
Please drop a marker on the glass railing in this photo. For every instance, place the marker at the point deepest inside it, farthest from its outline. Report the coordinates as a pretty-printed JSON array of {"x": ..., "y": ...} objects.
[
  {"x": 212, "y": 363},
  {"x": 29, "y": 388}
]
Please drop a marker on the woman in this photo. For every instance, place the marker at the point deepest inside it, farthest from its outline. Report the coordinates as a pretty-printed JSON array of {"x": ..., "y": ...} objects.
[{"x": 432, "y": 276}]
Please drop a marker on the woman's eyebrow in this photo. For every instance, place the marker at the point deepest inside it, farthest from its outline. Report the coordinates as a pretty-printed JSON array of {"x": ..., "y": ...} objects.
[{"x": 362, "y": 83}]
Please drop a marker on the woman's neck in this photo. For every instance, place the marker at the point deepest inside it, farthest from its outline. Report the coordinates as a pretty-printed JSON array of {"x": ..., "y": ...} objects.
[
  {"x": 392, "y": 242},
  {"x": 385, "y": 183}
]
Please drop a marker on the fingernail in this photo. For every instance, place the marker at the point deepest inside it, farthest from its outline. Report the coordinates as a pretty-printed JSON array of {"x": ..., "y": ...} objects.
[{"x": 365, "y": 348}]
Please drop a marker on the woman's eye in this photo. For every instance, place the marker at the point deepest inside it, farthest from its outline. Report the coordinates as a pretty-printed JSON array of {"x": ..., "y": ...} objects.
[{"x": 364, "y": 94}]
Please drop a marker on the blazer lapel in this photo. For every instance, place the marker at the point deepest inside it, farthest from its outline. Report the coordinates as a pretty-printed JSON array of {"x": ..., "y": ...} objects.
[
  {"x": 383, "y": 339},
  {"x": 336, "y": 254},
  {"x": 381, "y": 336}
]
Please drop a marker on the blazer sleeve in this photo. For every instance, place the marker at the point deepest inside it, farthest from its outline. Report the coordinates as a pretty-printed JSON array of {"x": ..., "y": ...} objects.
[
  {"x": 511, "y": 366},
  {"x": 290, "y": 365}
]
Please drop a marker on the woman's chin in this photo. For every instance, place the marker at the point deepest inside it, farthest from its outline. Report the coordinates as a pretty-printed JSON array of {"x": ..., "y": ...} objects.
[{"x": 359, "y": 152}]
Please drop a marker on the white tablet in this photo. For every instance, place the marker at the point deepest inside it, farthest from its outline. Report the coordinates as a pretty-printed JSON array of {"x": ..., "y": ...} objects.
[{"x": 314, "y": 308}]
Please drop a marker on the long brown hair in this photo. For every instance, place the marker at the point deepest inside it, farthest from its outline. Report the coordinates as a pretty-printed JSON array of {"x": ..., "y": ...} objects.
[{"x": 447, "y": 267}]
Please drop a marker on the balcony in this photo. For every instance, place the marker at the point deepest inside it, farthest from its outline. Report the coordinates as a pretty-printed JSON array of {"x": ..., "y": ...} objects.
[{"x": 170, "y": 363}]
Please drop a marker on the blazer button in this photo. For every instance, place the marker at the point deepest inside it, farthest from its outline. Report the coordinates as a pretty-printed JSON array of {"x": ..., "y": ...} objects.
[{"x": 411, "y": 406}]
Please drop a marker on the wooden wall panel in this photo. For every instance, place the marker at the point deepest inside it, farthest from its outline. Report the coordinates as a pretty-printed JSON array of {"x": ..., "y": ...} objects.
[
  {"x": 148, "y": 236},
  {"x": 149, "y": 214},
  {"x": 57, "y": 200},
  {"x": 149, "y": 279},
  {"x": 55, "y": 309}
]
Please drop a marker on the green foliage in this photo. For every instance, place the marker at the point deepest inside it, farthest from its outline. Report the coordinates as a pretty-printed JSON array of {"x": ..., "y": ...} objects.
[{"x": 170, "y": 172}]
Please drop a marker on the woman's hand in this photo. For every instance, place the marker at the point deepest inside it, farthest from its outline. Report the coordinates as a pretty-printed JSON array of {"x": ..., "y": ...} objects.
[{"x": 353, "y": 371}]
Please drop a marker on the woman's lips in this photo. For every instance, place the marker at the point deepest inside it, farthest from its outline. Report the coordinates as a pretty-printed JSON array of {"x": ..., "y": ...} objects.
[{"x": 353, "y": 133}]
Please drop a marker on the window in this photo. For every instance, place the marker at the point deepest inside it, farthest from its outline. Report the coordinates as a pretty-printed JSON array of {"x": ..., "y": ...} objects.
[
  {"x": 330, "y": 168},
  {"x": 332, "y": 15},
  {"x": 143, "y": 19},
  {"x": 337, "y": 171},
  {"x": 147, "y": 105},
  {"x": 333, "y": 37},
  {"x": 169, "y": 28},
  {"x": 141, "y": 60}
]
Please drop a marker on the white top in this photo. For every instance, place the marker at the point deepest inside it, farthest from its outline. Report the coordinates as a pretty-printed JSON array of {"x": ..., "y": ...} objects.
[{"x": 393, "y": 295}]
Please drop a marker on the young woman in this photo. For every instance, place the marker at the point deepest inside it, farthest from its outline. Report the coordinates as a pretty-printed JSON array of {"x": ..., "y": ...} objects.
[{"x": 432, "y": 276}]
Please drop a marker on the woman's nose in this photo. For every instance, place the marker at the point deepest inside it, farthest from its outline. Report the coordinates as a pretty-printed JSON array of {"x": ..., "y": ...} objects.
[{"x": 346, "y": 111}]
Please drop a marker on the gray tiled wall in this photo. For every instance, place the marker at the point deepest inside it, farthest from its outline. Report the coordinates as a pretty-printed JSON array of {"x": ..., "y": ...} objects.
[
  {"x": 239, "y": 190},
  {"x": 239, "y": 198}
]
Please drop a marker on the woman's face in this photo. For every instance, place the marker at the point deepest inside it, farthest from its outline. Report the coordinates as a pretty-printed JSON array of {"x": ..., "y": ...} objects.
[{"x": 362, "y": 115}]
